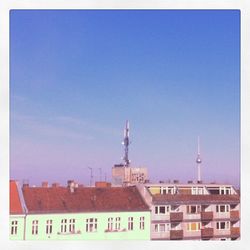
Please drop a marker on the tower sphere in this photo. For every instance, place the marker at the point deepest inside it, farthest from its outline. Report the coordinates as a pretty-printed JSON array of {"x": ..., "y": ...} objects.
[{"x": 198, "y": 159}]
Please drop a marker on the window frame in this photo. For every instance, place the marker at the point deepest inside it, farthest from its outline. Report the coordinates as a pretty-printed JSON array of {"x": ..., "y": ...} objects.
[
  {"x": 49, "y": 226},
  {"x": 196, "y": 207},
  {"x": 117, "y": 223},
  {"x": 158, "y": 209},
  {"x": 64, "y": 225},
  {"x": 142, "y": 222},
  {"x": 220, "y": 223},
  {"x": 34, "y": 227},
  {"x": 196, "y": 228},
  {"x": 91, "y": 225},
  {"x": 110, "y": 223},
  {"x": 225, "y": 208},
  {"x": 130, "y": 223},
  {"x": 14, "y": 225},
  {"x": 72, "y": 225}
]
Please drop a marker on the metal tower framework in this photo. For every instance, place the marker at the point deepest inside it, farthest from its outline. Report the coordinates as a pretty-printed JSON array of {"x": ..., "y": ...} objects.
[{"x": 126, "y": 143}]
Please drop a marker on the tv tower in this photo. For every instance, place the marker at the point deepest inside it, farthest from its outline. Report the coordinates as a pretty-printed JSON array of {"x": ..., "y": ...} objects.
[
  {"x": 126, "y": 143},
  {"x": 198, "y": 161}
]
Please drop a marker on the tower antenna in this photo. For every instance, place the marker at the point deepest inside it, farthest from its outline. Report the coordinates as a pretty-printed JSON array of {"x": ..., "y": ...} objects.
[
  {"x": 198, "y": 161},
  {"x": 91, "y": 176},
  {"x": 126, "y": 143}
]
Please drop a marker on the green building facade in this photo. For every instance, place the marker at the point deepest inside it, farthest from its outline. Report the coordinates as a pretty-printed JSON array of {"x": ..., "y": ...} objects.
[
  {"x": 81, "y": 214},
  {"x": 88, "y": 226}
]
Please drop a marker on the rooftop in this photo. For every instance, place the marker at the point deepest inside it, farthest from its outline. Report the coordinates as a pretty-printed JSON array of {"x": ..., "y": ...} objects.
[
  {"x": 189, "y": 198},
  {"x": 83, "y": 199},
  {"x": 15, "y": 203}
]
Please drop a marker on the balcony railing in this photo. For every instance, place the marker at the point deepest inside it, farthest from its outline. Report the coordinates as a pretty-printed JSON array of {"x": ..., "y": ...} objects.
[
  {"x": 160, "y": 235},
  {"x": 206, "y": 216},
  {"x": 176, "y": 234},
  {"x": 234, "y": 215},
  {"x": 207, "y": 233},
  {"x": 235, "y": 232},
  {"x": 176, "y": 216}
]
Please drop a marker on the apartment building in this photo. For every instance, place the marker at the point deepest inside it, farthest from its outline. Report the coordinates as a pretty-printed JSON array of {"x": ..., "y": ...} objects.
[
  {"x": 193, "y": 211},
  {"x": 79, "y": 213}
]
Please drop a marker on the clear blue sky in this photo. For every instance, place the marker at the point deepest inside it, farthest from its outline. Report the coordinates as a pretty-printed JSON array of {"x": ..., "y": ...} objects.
[{"x": 76, "y": 76}]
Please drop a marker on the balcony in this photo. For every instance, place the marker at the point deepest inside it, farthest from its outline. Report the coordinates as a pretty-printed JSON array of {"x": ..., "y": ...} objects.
[
  {"x": 234, "y": 215},
  {"x": 160, "y": 235},
  {"x": 176, "y": 217},
  {"x": 176, "y": 234},
  {"x": 206, "y": 216},
  {"x": 235, "y": 232},
  {"x": 207, "y": 233}
]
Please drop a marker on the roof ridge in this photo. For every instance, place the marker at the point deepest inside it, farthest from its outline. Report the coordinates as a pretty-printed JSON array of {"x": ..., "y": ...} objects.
[{"x": 22, "y": 201}]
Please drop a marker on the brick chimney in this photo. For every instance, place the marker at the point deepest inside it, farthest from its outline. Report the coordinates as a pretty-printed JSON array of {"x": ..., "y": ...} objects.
[
  {"x": 25, "y": 183},
  {"x": 45, "y": 184},
  {"x": 55, "y": 184},
  {"x": 71, "y": 186},
  {"x": 102, "y": 184}
]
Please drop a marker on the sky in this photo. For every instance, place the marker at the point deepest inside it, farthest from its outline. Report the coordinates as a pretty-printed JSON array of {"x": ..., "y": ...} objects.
[{"x": 77, "y": 76}]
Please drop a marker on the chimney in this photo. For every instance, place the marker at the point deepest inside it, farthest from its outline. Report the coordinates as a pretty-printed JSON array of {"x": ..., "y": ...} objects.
[
  {"x": 45, "y": 184},
  {"x": 55, "y": 184},
  {"x": 102, "y": 184},
  {"x": 25, "y": 183},
  {"x": 71, "y": 186}
]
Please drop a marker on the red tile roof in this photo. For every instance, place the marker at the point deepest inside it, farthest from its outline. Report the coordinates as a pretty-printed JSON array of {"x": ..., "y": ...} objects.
[
  {"x": 186, "y": 198},
  {"x": 15, "y": 203},
  {"x": 85, "y": 199}
]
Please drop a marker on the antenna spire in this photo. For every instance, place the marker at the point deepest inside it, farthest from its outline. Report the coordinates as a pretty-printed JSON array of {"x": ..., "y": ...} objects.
[
  {"x": 198, "y": 161},
  {"x": 126, "y": 143}
]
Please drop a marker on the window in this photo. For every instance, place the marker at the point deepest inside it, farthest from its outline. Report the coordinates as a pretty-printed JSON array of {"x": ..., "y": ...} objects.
[
  {"x": 161, "y": 227},
  {"x": 197, "y": 190},
  {"x": 142, "y": 223},
  {"x": 48, "y": 226},
  {"x": 167, "y": 190},
  {"x": 72, "y": 225},
  {"x": 161, "y": 209},
  {"x": 130, "y": 223},
  {"x": 117, "y": 223},
  {"x": 193, "y": 209},
  {"x": 194, "y": 226},
  {"x": 156, "y": 210},
  {"x": 91, "y": 225},
  {"x": 225, "y": 190},
  {"x": 222, "y": 208},
  {"x": 222, "y": 225},
  {"x": 14, "y": 227},
  {"x": 35, "y": 227},
  {"x": 63, "y": 225},
  {"x": 110, "y": 224}
]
